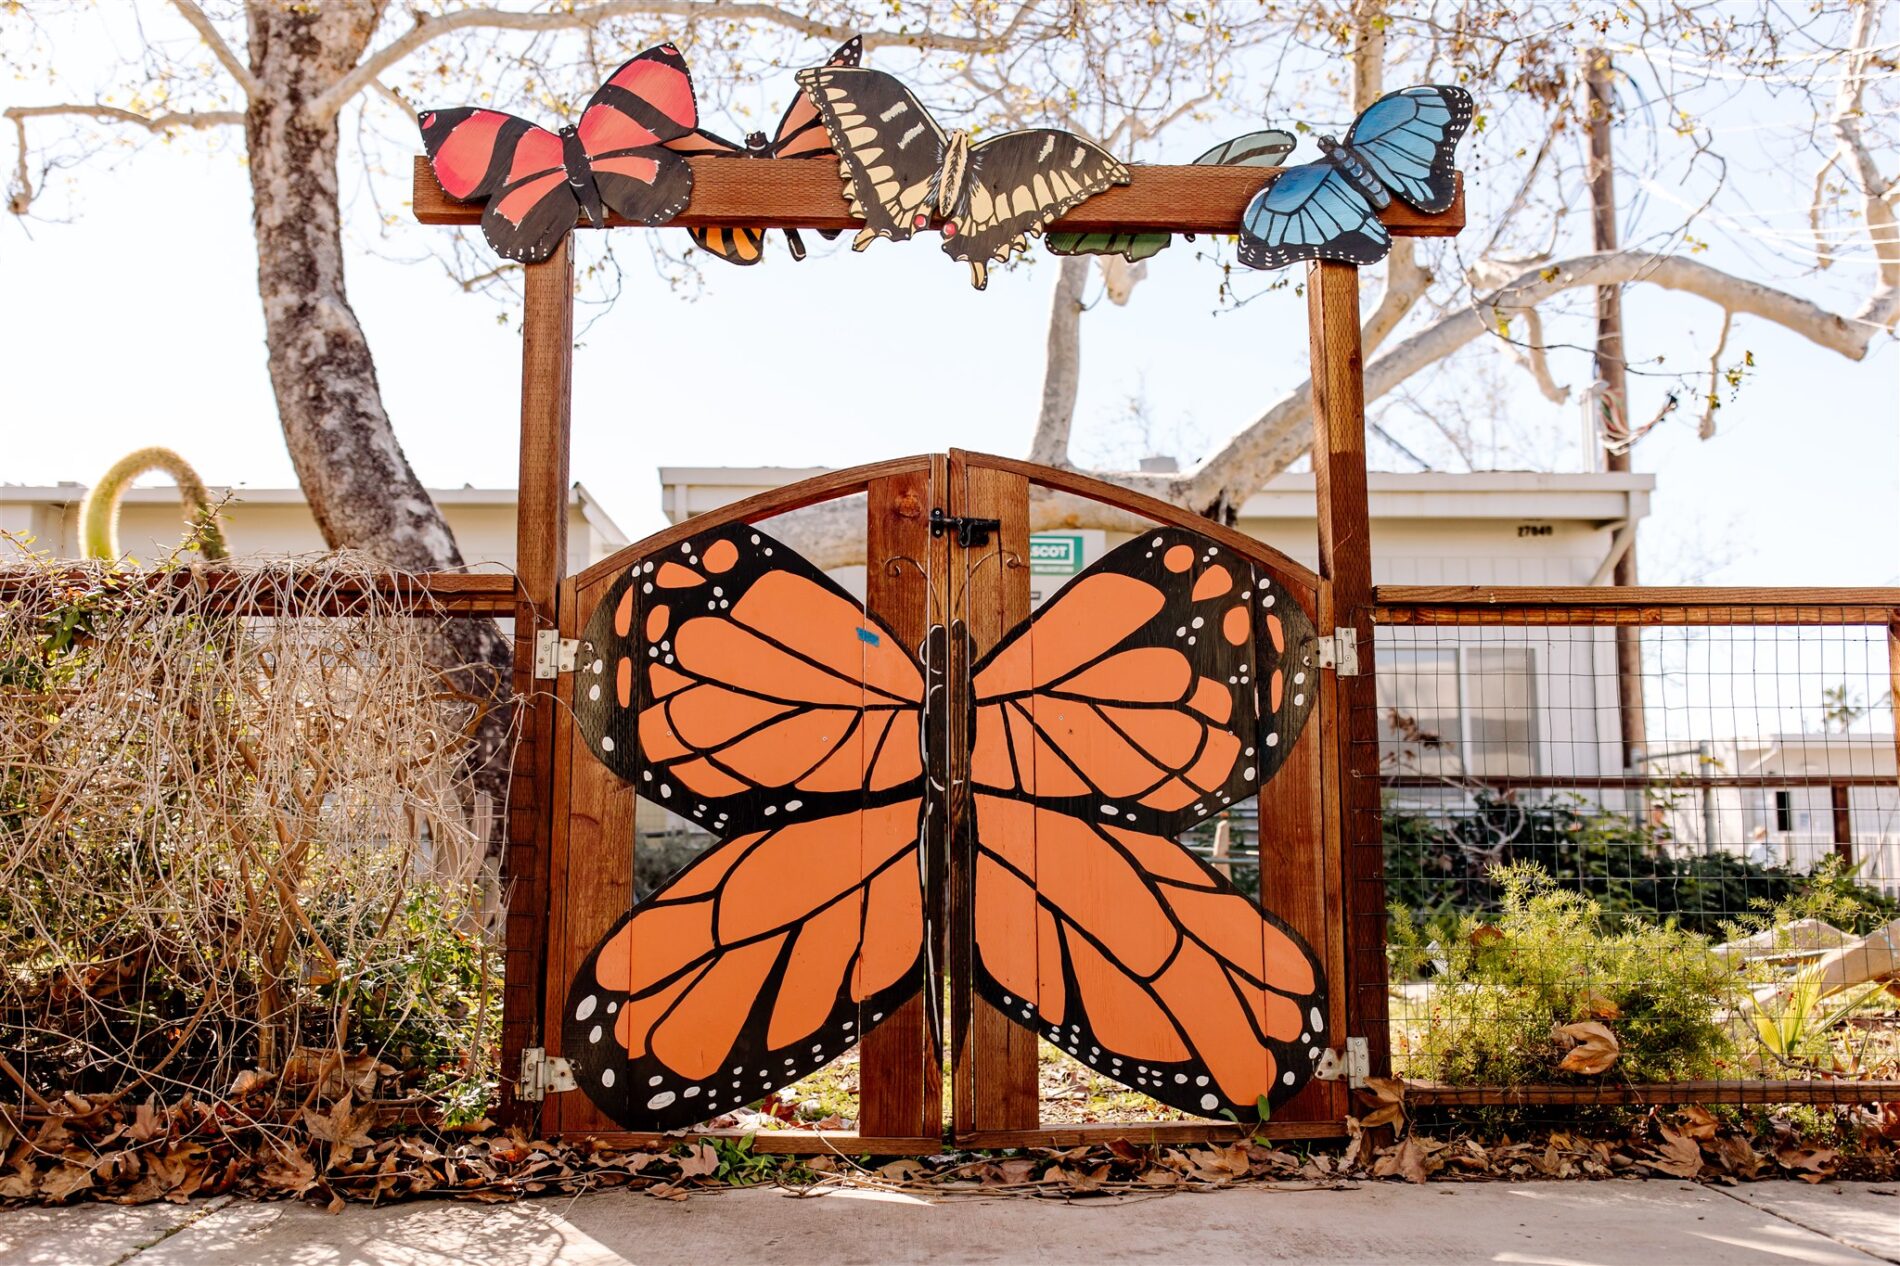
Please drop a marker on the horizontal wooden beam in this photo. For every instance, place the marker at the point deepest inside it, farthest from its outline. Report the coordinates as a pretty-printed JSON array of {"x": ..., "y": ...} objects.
[
  {"x": 1614, "y": 605},
  {"x": 238, "y": 591},
  {"x": 797, "y": 1142},
  {"x": 807, "y": 1142},
  {"x": 1627, "y": 782},
  {"x": 1142, "y": 1133},
  {"x": 807, "y": 193},
  {"x": 1763, "y": 1091}
]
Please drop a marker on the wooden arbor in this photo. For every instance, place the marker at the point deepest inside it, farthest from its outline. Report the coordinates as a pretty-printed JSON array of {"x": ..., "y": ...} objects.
[{"x": 1334, "y": 876}]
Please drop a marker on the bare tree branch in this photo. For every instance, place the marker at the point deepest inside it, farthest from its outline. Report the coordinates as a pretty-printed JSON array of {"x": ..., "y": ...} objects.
[
  {"x": 170, "y": 121},
  {"x": 1063, "y": 370},
  {"x": 1282, "y": 433},
  {"x": 1877, "y": 191},
  {"x": 372, "y": 66},
  {"x": 1534, "y": 359},
  {"x": 189, "y": 10},
  {"x": 21, "y": 194}
]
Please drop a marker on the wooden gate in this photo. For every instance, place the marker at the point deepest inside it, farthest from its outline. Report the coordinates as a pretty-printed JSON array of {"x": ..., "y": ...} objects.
[{"x": 1022, "y": 801}]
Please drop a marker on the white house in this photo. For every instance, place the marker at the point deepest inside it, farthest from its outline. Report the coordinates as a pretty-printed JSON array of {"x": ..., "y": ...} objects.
[
  {"x": 1498, "y": 701},
  {"x": 276, "y": 522}
]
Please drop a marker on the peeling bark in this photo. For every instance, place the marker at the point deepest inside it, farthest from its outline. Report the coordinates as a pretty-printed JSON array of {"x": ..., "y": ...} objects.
[{"x": 359, "y": 483}]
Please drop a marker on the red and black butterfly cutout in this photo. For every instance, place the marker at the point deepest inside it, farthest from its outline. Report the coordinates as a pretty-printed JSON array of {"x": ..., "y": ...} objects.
[
  {"x": 738, "y": 686},
  {"x": 536, "y": 183}
]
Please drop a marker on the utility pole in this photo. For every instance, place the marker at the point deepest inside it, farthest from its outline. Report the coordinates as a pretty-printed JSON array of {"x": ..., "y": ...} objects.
[{"x": 1613, "y": 389}]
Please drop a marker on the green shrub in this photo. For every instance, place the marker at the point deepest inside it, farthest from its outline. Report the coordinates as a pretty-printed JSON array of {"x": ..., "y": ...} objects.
[
  {"x": 1442, "y": 864},
  {"x": 1552, "y": 956}
]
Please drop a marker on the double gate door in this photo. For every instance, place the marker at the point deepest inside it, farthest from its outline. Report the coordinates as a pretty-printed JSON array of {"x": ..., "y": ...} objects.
[{"x": 918, "y": 823}]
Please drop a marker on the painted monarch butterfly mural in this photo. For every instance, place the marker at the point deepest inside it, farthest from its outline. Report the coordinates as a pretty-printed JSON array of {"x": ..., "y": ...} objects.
[{"x": 737, "y": 685}]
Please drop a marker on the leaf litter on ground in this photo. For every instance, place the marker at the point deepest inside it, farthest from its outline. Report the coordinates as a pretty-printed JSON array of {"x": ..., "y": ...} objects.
[{"x": 348, "y": 1151}]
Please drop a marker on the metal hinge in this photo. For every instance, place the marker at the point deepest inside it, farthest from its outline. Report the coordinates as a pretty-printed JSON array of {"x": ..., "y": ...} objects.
[
  {"x": 1352, "y": 1068},
  {"x": 542, "y": 1076},
  {"x": 553, "y": 654},
  {"x": 1339, "y": 652}
]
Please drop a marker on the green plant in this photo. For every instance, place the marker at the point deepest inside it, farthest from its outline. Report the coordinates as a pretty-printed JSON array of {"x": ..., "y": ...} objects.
[
  {"x": 99, "y": 512},
  {"x": 1442, "y": 863},
  {"x": 740, "y": 1165},
  {"x": 1551, "y": 958},
  {"x": 1790, "y": 1016}
]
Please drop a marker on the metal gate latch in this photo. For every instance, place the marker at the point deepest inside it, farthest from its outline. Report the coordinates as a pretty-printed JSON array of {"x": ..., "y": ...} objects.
[
  {"x": 542, "y": 1076},
  {"x": 553, "y": 654},
  {"x": 971, "y": 533}
]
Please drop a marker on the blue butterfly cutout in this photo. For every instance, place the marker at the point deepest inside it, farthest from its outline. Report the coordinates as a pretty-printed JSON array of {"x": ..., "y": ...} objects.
[{"x": 1329, "y": 209}]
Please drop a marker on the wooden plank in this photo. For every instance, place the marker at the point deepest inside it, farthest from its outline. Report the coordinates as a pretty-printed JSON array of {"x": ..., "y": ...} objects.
[
  {"x": 993, "y": 1061},
  {"x": 1631, "y": 782},
  {"x": 1843, "y": 820},
  {"x": 1660, "y": 605},
  {"x": 900, "y": 1062},
  {"x": 591, "y": 862},
  {"x": 1538, "y": 616},
  {"x": 1146, "y": 1132},
  {"x": 1893, "y": 680},
  {"x": 826, "y": 487},
  {"x": 1640, "y": 596},
  {"x": 236, "y": 590},
  {"x": 850, "y": 1143},
  {"x": 1710, "y": 1092},
  {"x": 1298, "y": 884},
  {"x": 547, "y": 357},
  {"x": 801, "y": 193},
  {"x": 1345, "y": 554}
]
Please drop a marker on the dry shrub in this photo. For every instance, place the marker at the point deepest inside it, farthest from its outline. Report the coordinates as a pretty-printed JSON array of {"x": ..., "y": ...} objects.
[{"x": 237, "y": 854}]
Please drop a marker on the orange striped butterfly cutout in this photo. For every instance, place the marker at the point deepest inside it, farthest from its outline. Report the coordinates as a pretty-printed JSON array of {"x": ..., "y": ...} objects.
[
  {"x": 801, "y": 134},
  {"x": 740, "y": 687}
]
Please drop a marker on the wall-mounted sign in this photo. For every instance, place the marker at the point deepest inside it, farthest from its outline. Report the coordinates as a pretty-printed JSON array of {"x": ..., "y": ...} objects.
[{"x": 1056, "y": 556}]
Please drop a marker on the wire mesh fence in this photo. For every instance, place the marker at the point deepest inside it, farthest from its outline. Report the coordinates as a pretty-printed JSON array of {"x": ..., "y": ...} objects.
[{"x": 1662, "y": 866}]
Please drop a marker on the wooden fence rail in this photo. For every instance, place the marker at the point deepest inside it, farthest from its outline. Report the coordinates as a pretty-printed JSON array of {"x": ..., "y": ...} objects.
[{"x": 454, "y": 593}]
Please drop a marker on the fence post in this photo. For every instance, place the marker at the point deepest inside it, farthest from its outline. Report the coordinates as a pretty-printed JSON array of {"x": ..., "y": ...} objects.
[
  {"x": 1345, "y": 562},
  {"x": 547, "y": 364}
]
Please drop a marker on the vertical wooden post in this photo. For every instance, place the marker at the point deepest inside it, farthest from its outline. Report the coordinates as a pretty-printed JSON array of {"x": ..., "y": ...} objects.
[
  {"x": 1842, "y": 798},
  {"x": 1612, "y": 369},
  {"x": 900, "y": 1063},
  {"x": 993, "y": 1060},
  {"x": 547, "y": 363},
  {"x": 1345, "y": 562}
]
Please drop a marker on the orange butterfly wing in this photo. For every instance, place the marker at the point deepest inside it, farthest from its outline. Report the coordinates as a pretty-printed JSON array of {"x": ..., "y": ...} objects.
[
  {"x": 1157, "y": 688},
  {"x": 740, "y": 687}
]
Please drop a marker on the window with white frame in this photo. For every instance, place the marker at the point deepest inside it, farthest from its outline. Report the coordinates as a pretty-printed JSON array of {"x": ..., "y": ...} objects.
[{"x": 1458, "y": 711}]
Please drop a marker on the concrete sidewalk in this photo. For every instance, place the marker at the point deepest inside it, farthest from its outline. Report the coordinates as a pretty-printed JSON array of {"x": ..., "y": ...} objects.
[{"x": 1557, "y": 1224}]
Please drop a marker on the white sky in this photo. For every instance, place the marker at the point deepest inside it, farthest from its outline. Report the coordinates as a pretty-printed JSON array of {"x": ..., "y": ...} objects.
[{"x": 137, "y": 322}]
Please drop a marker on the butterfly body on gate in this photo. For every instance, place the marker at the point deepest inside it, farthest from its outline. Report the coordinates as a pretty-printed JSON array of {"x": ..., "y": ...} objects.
[
  {"x": 902, "y": 171},
  {"x": 1402, "y": 145},
  {"x": 1255, "y": 149},
  {"x": 736, "y": 685},
  {"x": 800, "y": 134},
  {"x": 536, "y": 183}
]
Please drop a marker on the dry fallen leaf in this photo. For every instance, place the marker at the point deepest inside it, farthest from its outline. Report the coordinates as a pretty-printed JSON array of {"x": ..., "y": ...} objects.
[
  {"x": 1593, "y": 1048},
  {"x": 1678, "y": 1155},
  {"x": 1810, "y": 1164},
  {"x": 700, "y": 1159}
]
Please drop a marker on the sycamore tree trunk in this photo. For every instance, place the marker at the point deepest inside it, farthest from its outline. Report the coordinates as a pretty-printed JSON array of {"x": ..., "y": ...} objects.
[{"x": 358, "y": 482}]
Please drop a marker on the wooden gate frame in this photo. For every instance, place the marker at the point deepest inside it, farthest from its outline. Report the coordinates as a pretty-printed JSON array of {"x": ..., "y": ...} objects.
[{"x": 796, "y": 194}]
